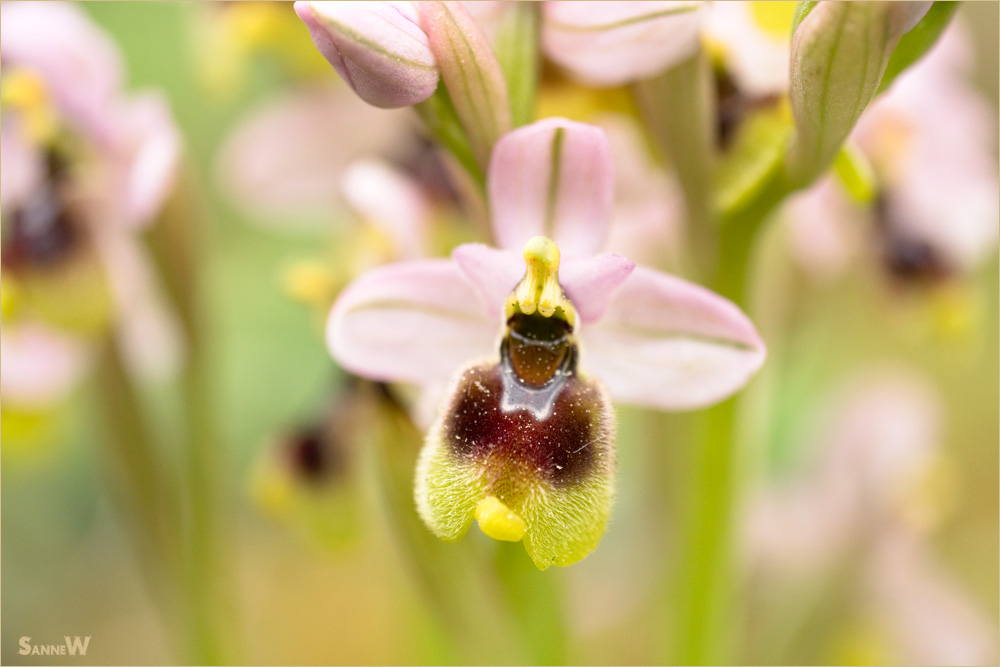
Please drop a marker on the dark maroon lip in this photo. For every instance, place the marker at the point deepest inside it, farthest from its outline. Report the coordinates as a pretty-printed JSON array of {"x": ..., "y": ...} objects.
[{"x": 566, "y": 446}]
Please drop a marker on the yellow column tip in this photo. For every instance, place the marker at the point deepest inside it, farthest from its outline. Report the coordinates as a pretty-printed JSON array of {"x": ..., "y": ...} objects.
[
  {"x": 539, "y": 290},
  {"x": 542, "y": 252}
]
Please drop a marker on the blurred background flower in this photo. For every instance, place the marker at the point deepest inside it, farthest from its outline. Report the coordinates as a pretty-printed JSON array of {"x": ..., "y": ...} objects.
[{"x": 85, "y": 168}]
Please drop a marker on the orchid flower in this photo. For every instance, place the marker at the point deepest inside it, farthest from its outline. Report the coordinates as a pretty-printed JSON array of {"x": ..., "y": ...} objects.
[
  {"x": 931, "y": 141},
  {"x": 283, "y": 161},
  {"x": 877, "y": 485},
  {"x": 927, "y": 141},
  {"x": 926, "y": 613},
  {"x": 582, "y": 326},
  {"x": 754, "y": 41},
  {"x": 84, "y": 168}
]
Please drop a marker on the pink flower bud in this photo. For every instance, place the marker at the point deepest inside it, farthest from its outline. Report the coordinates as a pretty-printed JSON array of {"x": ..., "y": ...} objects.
[{"x": 378, "y": 48}]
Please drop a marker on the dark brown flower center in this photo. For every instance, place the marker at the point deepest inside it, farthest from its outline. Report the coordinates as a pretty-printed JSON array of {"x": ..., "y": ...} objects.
[
  {"x": 313, "y": 456},
  {"x": 907, "y": 258},
  {"x": 42, "y": 231}
]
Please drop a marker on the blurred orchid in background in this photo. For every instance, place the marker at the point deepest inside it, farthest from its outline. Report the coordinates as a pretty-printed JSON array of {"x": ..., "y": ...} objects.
[
  {"x": 875, "y": 487},
  {"x": 618, "y": 42},
  {"x": 931, "y": 200},
  {"x": 85, "y": 169},
  {"x": 283, "y": 164}
]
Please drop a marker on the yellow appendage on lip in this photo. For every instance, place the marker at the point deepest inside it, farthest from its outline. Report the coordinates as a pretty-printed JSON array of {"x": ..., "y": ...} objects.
[
  {"x": 539, "y": 290},
  {"x": 499, "y": 521}
]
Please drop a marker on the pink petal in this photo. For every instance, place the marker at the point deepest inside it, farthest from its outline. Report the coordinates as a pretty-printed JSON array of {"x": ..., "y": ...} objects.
[
  {"x": 413, "y": 321},
  {"x": 377, "y": 47},
  {"x": 932, "y": 616},
  {"x": 79, "y": 63},
  {"x": 612, "y": 43},
  {"x": 149, "y": 333},
  {"x": 392, "y": 202},
  {"x": 494, "y": 273},
  {"x": 40, "y": 366},
  {"x": 591, "y": 282},
  {"x": 554, "y": 177},
  {"x": 283, "y": 163},
  {"x": 668, "y": 343},
  {"x": 151, "y": 147}
]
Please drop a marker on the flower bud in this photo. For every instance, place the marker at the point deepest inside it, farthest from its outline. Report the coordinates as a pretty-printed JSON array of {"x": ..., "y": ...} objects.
[
  {"x": 525, "y": 446},
  {"x": 839, "y": 53},
  {"x": 471, "y": 72},
  {"x": 378, "y": 48}
]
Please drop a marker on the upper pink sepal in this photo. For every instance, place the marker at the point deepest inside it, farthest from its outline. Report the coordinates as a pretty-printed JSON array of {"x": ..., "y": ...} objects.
[{"x": 554, "y": 178}]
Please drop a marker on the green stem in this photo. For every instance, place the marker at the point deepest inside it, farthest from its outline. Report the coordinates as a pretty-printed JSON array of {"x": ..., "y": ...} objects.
[
  {"x": 208, "y": 579},
  {"x": 706, "y": 581},
  {"x": 517, "y": 46},
  {"x": 176, "y": 248},
  {"x": 678, "y": 109},
  {"x": 439, "y": 116},
  {"x": 448, "y": 575},
  {"x": 705, "y": 588},
  {"x": 146, "y": 493}
]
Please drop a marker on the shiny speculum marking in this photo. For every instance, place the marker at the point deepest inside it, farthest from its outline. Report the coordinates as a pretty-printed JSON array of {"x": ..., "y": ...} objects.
[{"x": 531, "y": 416}]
